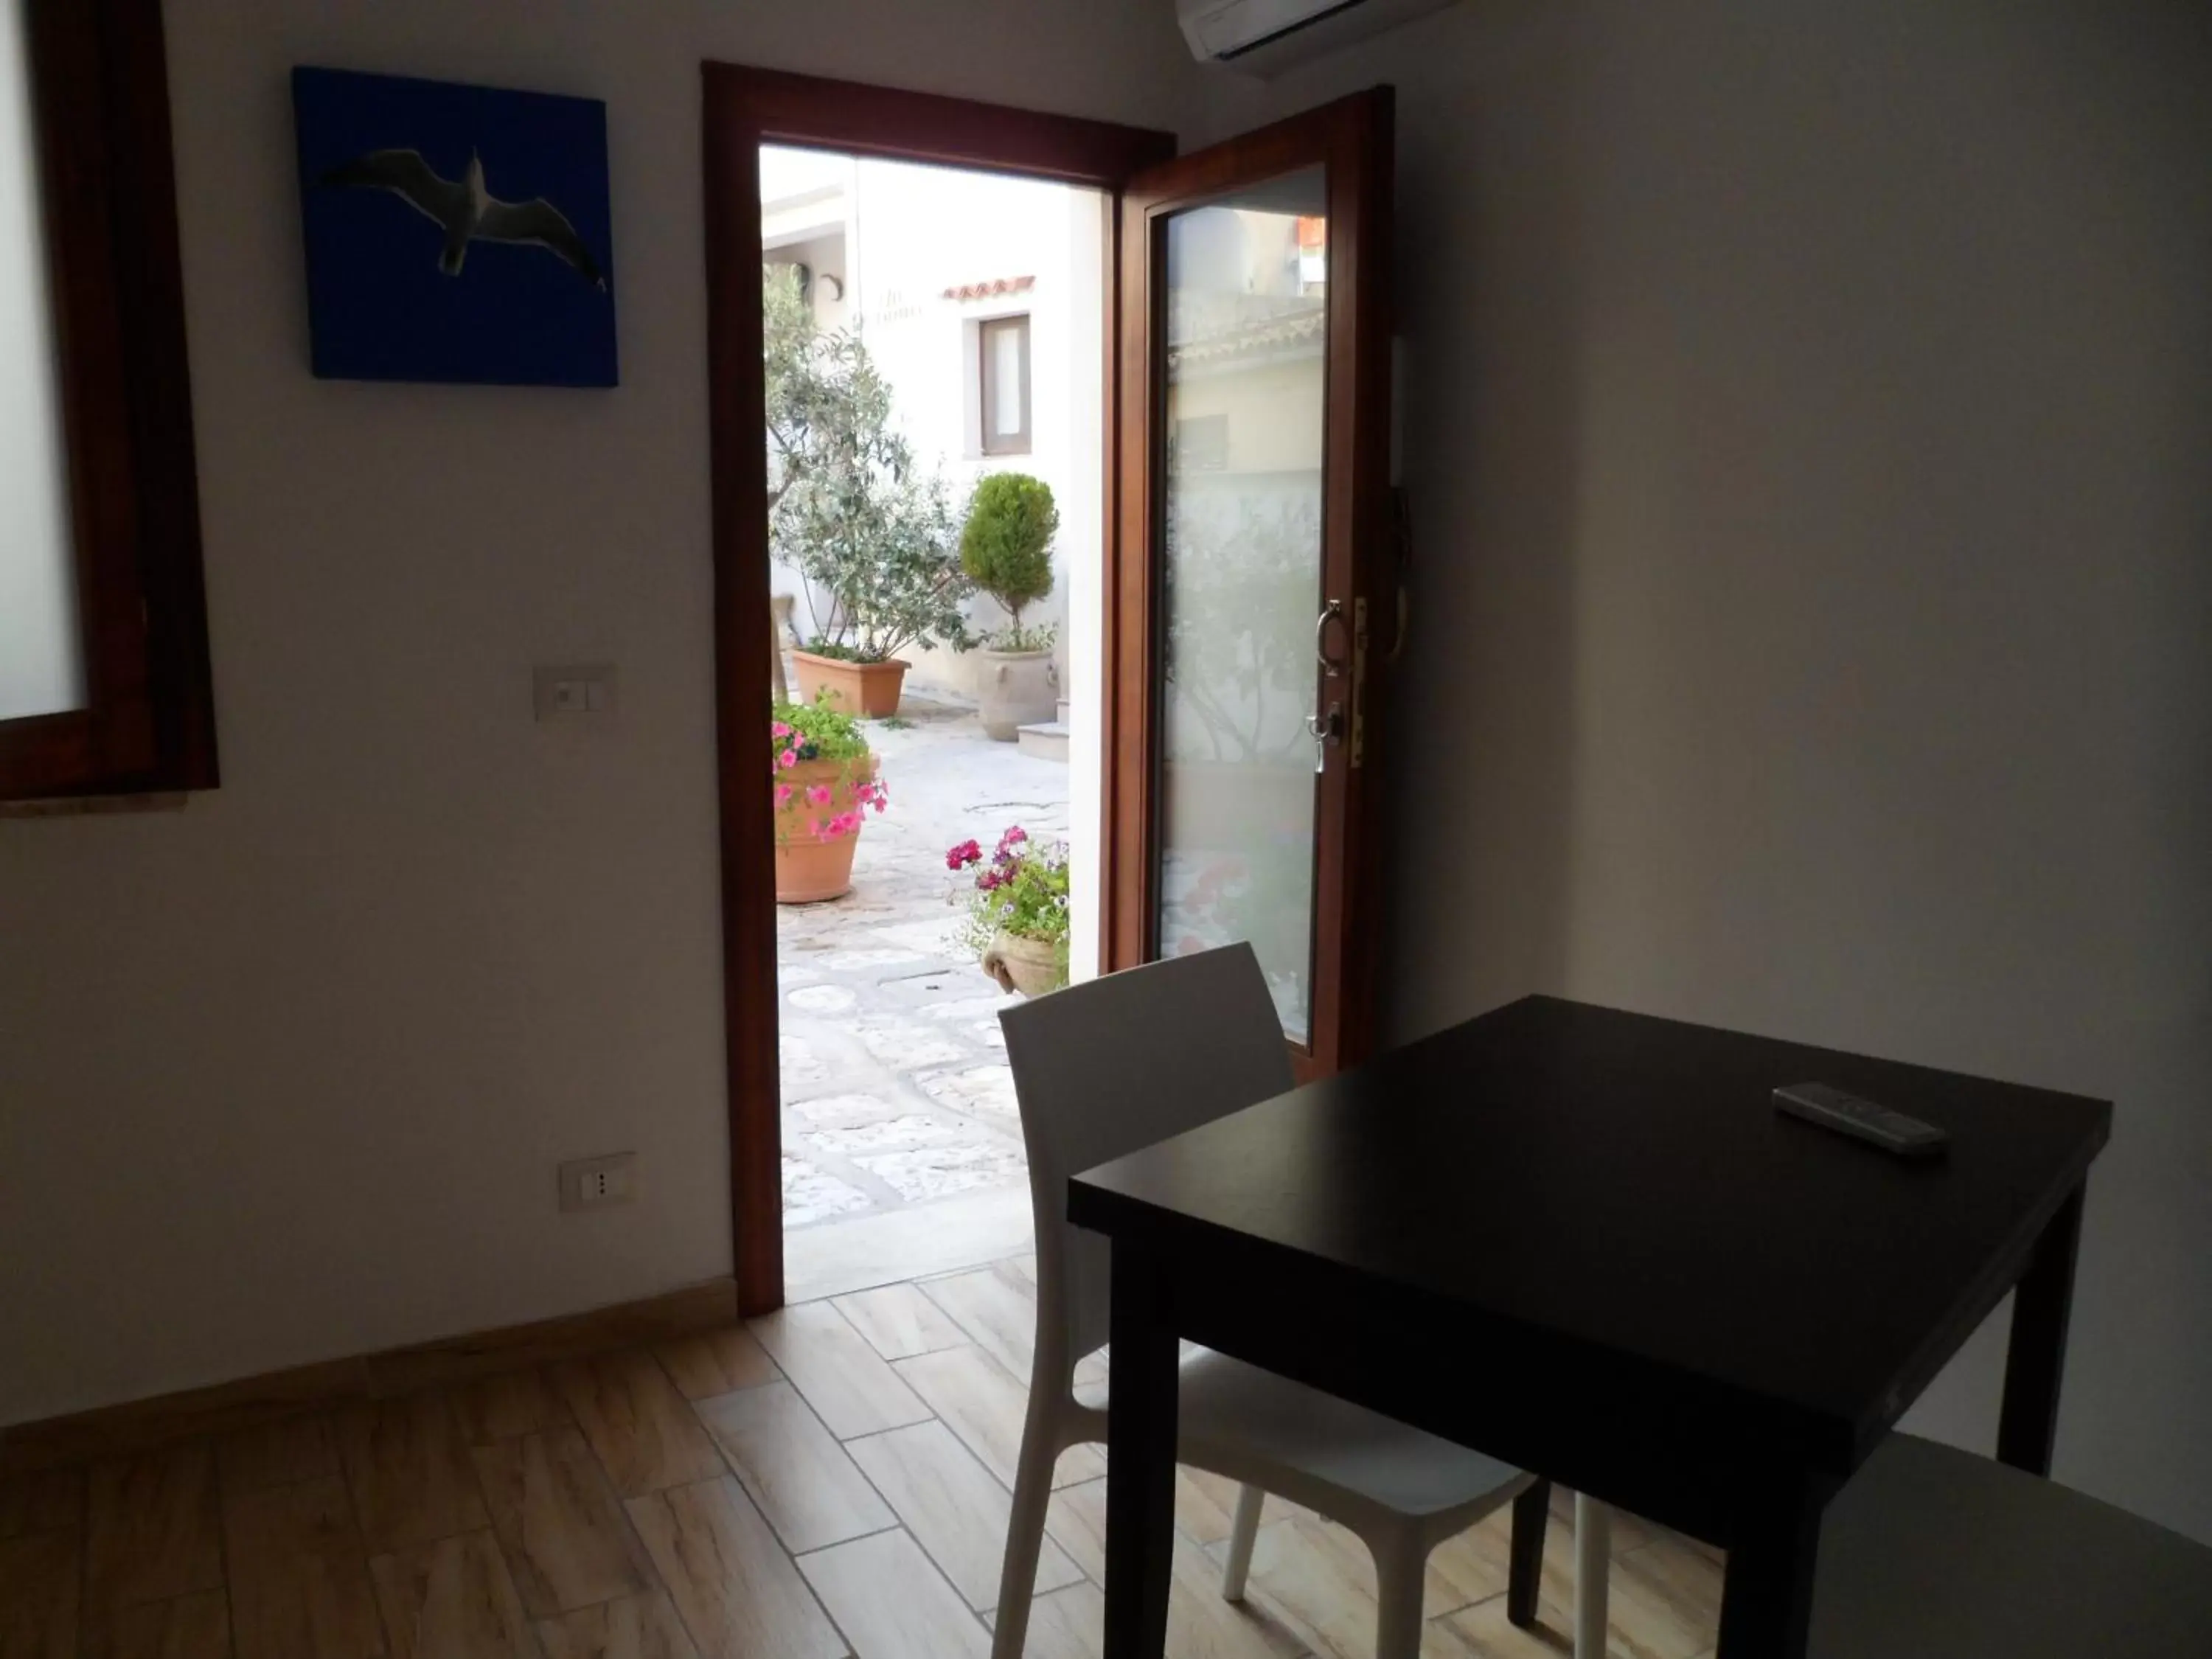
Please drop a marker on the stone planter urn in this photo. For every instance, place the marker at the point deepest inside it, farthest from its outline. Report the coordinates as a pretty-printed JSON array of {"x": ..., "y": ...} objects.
[
  {"x": 858, "y": 688},
  {"x": 1029, "y": 966},
  {"x": 1014, "y": 688},
  {"x": 812, "y": 863}
]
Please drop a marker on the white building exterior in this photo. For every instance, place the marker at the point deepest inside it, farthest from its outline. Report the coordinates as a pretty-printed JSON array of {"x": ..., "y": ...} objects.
[{"x": 918, "y": 259}]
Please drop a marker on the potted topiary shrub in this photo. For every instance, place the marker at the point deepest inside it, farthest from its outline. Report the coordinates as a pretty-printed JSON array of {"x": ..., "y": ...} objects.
[
  {"x": 851, "y": 510},
  {"x": 824, "y": 780},
  {"x": 1005, "y": 548}
]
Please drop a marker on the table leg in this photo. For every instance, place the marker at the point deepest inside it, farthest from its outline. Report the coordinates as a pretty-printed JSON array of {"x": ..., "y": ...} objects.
[
  {"x": 2036, "y": 1355},
  {"x": 1140, "y": 1460},
  {"x": 1593, "y": 1575},
  {"x": 1767, "y": 1603},
  {"x": 1532, "y": 1513}
]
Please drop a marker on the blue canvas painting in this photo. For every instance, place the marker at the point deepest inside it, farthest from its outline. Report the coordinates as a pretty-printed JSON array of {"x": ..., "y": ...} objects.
[{"x": 455, "y": 233}]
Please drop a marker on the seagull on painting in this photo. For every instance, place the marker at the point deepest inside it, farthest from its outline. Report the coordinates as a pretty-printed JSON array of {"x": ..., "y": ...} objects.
[{"x": 465, "y": 210}]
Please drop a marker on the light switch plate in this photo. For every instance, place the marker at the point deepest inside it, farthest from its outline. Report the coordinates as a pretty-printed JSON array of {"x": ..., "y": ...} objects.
[{"x": 557, "y": 693}]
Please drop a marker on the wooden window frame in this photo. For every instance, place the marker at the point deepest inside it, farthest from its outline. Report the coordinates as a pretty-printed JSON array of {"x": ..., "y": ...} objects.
[
  {"x": 98, "y": 85},
  {"x": 745, "y": 108},
  {"x": 996, "y": 442}
]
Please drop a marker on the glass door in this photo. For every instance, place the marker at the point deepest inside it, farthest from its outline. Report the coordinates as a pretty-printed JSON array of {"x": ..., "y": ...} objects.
[{"x": 1253, "y": 560}]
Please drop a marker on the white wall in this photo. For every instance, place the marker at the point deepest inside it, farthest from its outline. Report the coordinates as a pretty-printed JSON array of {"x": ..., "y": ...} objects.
[
  {"x": 918, "y": 231},
  {"x": 285, "y": 1076},
  {"x": 823, "y": 256},
  {"x": 1809, "y": 407}
]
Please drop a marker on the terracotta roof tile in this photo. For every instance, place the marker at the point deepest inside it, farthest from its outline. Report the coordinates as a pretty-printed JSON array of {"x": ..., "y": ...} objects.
[{"x": 991, "y": 289}]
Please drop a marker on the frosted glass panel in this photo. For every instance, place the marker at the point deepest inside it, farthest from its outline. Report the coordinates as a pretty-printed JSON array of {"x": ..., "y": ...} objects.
[
  {"x": 40, "y": 669},
  {"x": 1246, "y": 374},
  {"x": 1007, "y": 375}
]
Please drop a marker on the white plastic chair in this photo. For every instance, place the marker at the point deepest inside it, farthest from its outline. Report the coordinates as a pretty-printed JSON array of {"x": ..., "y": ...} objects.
[
  {"x": 1934, "y": 1553},
  {"x": 1105, "y": 1068}
]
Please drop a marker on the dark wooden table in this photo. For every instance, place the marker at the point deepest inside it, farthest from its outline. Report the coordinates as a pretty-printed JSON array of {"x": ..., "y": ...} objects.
[{"x": 1584, "y": 1241}]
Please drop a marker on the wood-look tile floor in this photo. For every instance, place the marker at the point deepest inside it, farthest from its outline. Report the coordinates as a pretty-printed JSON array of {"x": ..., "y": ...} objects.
[{"x": 829, "y": 1481}]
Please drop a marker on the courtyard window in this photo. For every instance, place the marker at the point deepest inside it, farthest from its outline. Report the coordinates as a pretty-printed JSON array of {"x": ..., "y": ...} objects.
[
  {"x": 103, "y": 636},
  {"x": 1005, "y": 366},
  {"x": 41, "y": 667}
]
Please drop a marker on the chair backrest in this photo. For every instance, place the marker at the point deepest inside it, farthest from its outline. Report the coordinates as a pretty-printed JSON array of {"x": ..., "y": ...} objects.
[{"x": 1104, "y": 1068}]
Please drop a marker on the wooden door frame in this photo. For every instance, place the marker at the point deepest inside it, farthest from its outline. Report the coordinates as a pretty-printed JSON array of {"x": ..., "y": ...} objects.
[
  {"x": 1354, "y": 137},
  {"x": 743, "y": 109}
]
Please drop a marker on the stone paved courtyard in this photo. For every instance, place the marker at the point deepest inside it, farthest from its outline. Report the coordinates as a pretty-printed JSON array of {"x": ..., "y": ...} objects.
[{"x": 896, "y": 1091}]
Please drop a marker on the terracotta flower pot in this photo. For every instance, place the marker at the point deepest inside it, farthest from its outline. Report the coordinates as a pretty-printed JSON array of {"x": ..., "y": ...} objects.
[
  {"x": 858, "y": 688},
  {"x": 812, "y": 862},
  {"x": 1030, "y": 966}
]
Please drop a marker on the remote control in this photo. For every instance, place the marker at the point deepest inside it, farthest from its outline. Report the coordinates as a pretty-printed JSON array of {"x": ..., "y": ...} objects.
[{"x": 1847, "y": 1114}]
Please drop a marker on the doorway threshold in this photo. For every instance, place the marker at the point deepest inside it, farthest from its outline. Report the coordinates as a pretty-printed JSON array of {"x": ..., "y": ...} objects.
[{"x": 833, "y": 1258}]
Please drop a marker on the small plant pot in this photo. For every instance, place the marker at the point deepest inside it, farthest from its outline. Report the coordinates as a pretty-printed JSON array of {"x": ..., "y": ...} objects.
[
  {"x": 812, "y": 865},
  {"x": 1014, "y": 688},
  {"x": 858, "y": 687},
  {"x": 1030, "y": 966}
]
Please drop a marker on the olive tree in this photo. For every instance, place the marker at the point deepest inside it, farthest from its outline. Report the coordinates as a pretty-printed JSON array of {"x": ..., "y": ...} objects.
[{"x": 848, "y": 507}]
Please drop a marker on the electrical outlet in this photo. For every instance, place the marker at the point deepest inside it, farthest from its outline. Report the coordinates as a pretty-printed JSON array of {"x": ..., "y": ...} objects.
[{"x": 592, "y": 1183}]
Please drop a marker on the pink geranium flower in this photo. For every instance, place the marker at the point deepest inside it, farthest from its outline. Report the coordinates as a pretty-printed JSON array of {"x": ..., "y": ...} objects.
[
  {"x": 818, "y": 795},
  {"x": 780, "y": 729},
  {"x": 783, "y": 794},
  {"x": 789, "y": 758}
]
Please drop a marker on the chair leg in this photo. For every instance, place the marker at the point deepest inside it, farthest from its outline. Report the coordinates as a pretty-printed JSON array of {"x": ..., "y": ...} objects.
[
  {"x": 1026, "y": 1530},
  {"x": 1400, "y": 1566},
  {"x": 1532, "y": 1512},
  {"x": 1593, "y": 1567},
  {"x": 1242, "y": 1532}
]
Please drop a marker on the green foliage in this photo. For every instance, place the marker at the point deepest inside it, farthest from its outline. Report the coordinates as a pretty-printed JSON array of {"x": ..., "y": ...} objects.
[
  {"x": 847, "y": 506},
  {"x": 1018, "y": 638},
  {"x": 1034, "y": 903},
  {"x": 839, "y": 806},
  {"x": 1021, "y": 889},
  {"x": 813, "y": 731},
  {"x": 1005, "y": 547}
]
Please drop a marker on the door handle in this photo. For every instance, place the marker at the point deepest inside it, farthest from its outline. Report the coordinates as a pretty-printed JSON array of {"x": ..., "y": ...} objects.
[
  {"x": 1325, "y": 729},
  {"x": 1331, "y": 611}
]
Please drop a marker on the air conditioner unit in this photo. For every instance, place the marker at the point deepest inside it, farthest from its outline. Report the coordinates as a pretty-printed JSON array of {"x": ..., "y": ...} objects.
[{"x": 1265, "y": 37}]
